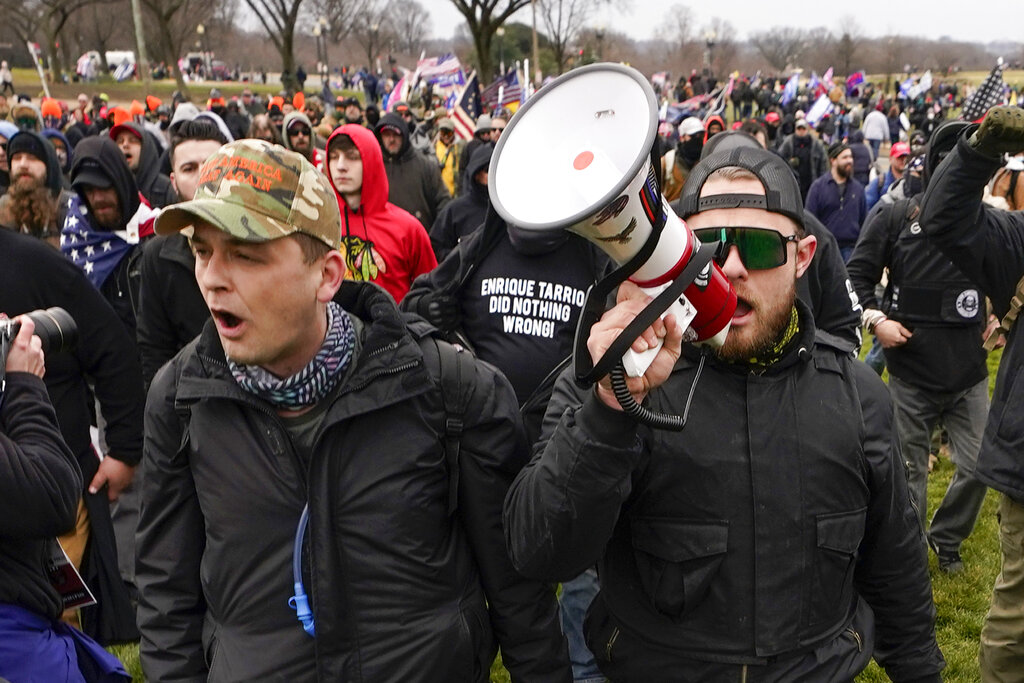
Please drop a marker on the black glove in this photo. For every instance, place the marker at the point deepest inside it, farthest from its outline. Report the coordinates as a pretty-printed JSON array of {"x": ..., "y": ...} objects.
[
  {"x": 442, "y": 311},
  {"x": 1002, "y": 132}
]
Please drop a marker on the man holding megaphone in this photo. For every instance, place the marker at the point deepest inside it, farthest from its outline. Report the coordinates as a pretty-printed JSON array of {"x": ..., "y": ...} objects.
[{"x": 772, "y": 538}]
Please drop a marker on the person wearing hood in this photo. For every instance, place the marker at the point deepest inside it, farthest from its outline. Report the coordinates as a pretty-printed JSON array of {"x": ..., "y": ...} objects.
[
  {"x": 65, "y": 154},
  {"x": 805, "y": 154},
  {"x": 299, "y": 136},
  {"x": 448, "y": 150},
  {"x": 713, "y": 126},
  {"x": 142, "y": 155},
  {"x": 862, "y": 158},
  {"x": 26, "y": 116},
  {"x": 414, "y": 178},
  {"x": 481, "y": 136},
  {"x": 466, "y": 213},
  {"x": 7, "y": 131},
  {"x": 677, "y": 163},
  {"x": 106, "y": 222},
  {"x": 931, "y": 323},
  {"x": 35, "y": 202},
  {"x": 382, "y": 243}
]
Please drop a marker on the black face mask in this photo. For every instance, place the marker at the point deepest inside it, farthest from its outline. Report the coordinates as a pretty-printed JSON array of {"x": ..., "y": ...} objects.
[
  {"x": 691, "y": 149},
  {"x": 534, "y": 242}
]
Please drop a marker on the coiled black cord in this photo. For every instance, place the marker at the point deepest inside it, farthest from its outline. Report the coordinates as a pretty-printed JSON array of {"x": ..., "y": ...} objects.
[{"x": 673, "y": 423}]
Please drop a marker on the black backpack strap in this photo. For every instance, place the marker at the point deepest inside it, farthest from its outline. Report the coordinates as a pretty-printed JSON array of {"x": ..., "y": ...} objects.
[{"x": 455, "y": 366}]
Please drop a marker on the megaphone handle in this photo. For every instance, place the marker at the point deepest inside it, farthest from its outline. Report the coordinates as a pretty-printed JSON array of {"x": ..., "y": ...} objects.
[{"x": 636, "y": 363}]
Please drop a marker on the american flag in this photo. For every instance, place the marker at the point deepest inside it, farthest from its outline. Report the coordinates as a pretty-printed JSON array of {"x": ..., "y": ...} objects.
[
  {"x": 444, "y": 70},
  {"x": 467, "y": 110},
  {"x": 96, "y": 251},
  {"x": 990, "y": 93},
  {"x": 510, "y": 89}
]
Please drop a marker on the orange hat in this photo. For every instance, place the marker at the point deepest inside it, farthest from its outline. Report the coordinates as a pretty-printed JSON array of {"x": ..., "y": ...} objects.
[
  {"x": 121, "y": 115},
  {"x": 152, "y": 102},
  {"x": 50, "y": 107},
  {"x": 137, "y": 108},
  {"x": 299, "y": 101},
  {"x": 278, "y": 100}
]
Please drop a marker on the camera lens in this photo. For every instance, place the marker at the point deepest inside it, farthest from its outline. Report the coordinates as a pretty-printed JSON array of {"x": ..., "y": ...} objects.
[{"x": 56, "y": 329}]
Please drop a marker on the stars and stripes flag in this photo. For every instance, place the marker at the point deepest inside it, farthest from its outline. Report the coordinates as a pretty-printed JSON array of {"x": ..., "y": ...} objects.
[
  {"x": 991, "y": 92},
  {"x": 96, "y": 251},
  {"x": 503, "y": 92},
  {"x": 826, "y": 82},
  {"x": 467, "y": 109},
  {"x": 445, "y": 70}
]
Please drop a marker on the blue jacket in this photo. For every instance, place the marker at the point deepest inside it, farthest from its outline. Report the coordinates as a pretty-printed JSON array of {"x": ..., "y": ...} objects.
[
  {"x": 842, "y": 212},
  {"x": 873, "y": 191}
]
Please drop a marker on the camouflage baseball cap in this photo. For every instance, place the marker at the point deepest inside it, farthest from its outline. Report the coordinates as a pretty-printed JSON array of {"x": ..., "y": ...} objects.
[{"x": 257, "y": 192}]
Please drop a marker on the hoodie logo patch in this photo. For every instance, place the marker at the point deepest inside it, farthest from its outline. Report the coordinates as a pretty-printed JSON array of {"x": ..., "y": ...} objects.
[{"x": 362, "y": 259}]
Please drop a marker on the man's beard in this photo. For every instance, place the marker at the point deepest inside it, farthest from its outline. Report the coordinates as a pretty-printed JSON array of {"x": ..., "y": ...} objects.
[
  {"x": 768, "y": 326},
  {"x": 844, "y": 172},
  {"x": 31, "y": 207}
]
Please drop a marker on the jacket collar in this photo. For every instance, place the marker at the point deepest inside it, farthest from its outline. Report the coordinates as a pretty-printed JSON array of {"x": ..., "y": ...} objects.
[{"x": 389, "y": 367}]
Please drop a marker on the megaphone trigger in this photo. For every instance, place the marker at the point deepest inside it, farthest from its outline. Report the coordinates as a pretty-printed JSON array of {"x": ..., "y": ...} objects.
[{"x": 636, "y": 363}]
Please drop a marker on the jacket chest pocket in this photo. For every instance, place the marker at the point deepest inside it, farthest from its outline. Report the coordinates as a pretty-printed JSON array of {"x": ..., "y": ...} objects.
[
  {"x": 838, "y": 536},
  {"x": 676, "y": 560}
]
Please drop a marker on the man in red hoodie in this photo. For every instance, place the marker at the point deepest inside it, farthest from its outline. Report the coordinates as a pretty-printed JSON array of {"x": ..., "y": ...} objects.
[{"x": 381, "y": 242}]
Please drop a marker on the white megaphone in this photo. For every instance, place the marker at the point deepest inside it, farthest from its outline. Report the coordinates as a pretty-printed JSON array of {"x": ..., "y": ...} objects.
[{"x": 578, "y": 156}]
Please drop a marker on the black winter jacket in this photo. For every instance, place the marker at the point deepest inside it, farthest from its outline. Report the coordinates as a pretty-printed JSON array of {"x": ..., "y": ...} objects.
[
  {"x": 414, "y": 178},
  {"x": 171, "y": 307},
  {"x": 751, "y": 539},
  {"x": 103, "y": 367},
  {"x": 464, "y": 214},
  {"x": 988, "y": 246},
  {"x": 400, "y": 589},
  {"x": 40, "y": 485},
  {"x": 154, "y": 185}
]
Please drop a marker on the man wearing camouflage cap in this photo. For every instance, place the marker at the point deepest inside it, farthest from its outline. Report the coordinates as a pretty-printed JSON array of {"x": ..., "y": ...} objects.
[{"x": 307, "y": 397}]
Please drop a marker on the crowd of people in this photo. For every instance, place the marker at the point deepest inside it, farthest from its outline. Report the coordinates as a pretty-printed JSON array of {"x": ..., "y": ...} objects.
[{"x": 320, "y": 389}]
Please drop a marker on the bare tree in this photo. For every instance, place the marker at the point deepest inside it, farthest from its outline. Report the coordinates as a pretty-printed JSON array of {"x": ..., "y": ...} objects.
[
  {"x": 373, "y": 29},
  {"x": 279, "y": 18},
  {"x": 850, "y": 38},
  {"x": 341, "y": 16},
  {"x": 562, "y": 21},
  {"x": 679, "y": 31},
  {"x": 411, "y": 23},
  {"x": 781, "y": 46},
  {"x": 174, "y": 24},
  {"x": 101, "y": 28},
  {"x": 483, "y": 18},
  {"x": 723, "y": 55},
  {"x": 43, "y": 19}
]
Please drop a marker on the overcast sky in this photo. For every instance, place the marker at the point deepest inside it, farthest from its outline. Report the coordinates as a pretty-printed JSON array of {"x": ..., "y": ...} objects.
[{"x": 993, "y": 20}]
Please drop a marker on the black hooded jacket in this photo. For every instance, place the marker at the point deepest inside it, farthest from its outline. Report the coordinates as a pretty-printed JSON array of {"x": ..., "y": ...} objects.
[
  {"x": 466, "y": 213},
  {"x": 100, "y": 154},
  {"x": 414, "y": 178},
  {"x": 154, "y": 185}
]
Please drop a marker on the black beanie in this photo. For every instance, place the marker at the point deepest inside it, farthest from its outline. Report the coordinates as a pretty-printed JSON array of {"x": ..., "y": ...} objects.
[
  {"x": 837, "y": 148},
  {"x": 30, "y": 142}
]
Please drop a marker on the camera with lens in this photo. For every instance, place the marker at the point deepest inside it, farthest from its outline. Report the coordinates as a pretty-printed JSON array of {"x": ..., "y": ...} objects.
[{"x": 55, "y": 328}]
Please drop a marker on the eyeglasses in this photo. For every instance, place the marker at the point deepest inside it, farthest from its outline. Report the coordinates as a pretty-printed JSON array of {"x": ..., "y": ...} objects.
[
  {"x": 759, "y": 248},
  {"x": 298, "y": 131}
]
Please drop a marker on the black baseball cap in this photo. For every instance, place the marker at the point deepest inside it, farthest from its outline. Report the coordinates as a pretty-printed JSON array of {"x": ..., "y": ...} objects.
[{"x": 781, "y": 192}]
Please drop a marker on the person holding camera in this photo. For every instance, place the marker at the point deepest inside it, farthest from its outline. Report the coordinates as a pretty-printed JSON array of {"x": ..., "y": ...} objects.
[{"x": 40, "y": 486}]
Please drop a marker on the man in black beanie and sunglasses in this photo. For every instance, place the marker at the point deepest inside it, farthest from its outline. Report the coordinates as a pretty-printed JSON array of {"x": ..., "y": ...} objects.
[{"x": 772, "y": 539}]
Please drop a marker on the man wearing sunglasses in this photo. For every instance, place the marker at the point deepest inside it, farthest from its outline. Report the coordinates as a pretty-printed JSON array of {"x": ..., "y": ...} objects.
[
  {"x": 771, "y": 539},
  {"x": 299, "y": 137}
]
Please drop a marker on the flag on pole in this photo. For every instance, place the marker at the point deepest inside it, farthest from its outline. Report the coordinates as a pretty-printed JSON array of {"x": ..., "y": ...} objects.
[
  {"x": 906, "y": 86},
  {"x": 814, "y": 83},
  {"x": 991, "y": 92},
  {"x": 826, "y": 83},
  {"x": 509, "y": 89},
  {"x": 853, "y": 82},
  {"x": 467, "y": 109},
  {"x": 789, "y": 92}
]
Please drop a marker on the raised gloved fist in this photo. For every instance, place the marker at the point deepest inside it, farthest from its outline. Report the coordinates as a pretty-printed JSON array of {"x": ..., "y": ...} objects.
[
  {"x": 442, "y": 311},
  {"x": 1002, "y": 132}
]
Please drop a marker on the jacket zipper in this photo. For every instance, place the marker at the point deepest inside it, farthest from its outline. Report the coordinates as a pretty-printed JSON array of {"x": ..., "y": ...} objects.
[
  {"x": 611, "y": 643},
  {"x": 856, "y": 636}
]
